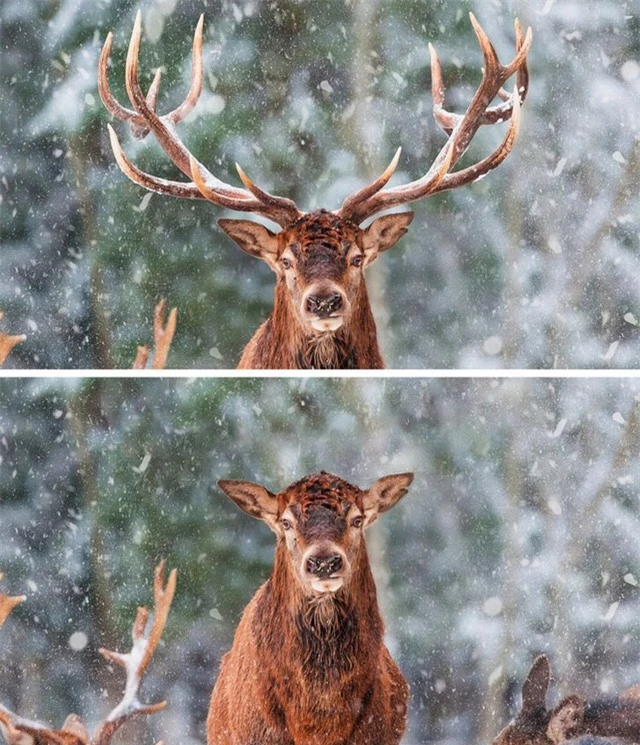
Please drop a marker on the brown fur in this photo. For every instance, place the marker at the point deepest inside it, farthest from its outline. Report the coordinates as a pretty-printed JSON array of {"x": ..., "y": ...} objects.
[
  {"x": 320, "y": 247},
  {"x": 304, "y": 669},
  {"x": 573, "y": 720}
]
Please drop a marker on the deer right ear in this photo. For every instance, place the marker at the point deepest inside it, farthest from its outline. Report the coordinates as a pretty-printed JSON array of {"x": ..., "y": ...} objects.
[
  {"x": 254, "y": 239},
  {"x": 534, "y": 689},
  {"x": 567, "y": 720},
  {"x": 384, "y": 494},
  {"x": 253, "y": 499}
]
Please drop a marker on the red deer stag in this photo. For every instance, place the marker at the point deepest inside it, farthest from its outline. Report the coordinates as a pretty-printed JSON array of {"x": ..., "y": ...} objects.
[
  {"x": 573, "y": 719},
  {"x": 308, "y": 665},
  {"x": 321, "y": 316},
  {"x": 19, "y": 731}
]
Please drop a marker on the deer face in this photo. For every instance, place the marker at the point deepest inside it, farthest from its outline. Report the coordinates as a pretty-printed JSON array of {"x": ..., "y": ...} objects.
[
  {"x": 320, "y": 259},
  {"x": 320, "y": 522}
]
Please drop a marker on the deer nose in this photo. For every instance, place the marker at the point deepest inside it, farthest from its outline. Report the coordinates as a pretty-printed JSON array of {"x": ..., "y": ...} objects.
[
  {"x": 324, "y": 305},
  {"x": 324, "y": 566}
]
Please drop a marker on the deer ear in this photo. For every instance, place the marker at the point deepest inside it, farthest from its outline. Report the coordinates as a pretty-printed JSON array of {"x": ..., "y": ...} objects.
[
  {"x": 253, "y": 499},
  {"x": 566, "y": 721},
  {"x": 534, "y": 689},
  {"x": 384, "y": 494},
  {"x": 384, "y": 233},
  {"x": 254, "y": 239}
]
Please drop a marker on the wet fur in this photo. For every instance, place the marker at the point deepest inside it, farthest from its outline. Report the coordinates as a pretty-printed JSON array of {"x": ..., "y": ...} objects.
[{"x": 309, "y": 670}]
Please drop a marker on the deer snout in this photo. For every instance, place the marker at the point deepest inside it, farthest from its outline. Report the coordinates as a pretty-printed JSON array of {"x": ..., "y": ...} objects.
[
  {"x": 325, "y": 567},
  {"x": 324, "y": 306}
]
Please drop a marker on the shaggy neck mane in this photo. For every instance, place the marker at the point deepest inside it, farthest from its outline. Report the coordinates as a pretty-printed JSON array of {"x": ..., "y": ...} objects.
[
  {"x": 285, "y": 343},
  {"x": 325, "y": 634}
]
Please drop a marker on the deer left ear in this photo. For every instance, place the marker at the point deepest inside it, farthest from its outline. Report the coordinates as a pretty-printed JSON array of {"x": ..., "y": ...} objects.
[
  {"x": 254, "y": 239},
  {"x": 384, "y": 494},
  {"x": 253, "y": 499},
  {"x": 384, "y": 233}
]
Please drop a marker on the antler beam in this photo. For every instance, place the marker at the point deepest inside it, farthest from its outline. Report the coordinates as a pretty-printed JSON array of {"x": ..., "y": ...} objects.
[{"x": 144, "y": 119}]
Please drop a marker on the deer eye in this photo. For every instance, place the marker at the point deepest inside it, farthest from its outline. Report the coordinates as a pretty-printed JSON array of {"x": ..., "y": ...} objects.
[
  {"x": 356, "y": 260},
  {"x": 357, "y": 521},
  {"x": 286, "y": 524},
  {"x": 286, "y": 263}
]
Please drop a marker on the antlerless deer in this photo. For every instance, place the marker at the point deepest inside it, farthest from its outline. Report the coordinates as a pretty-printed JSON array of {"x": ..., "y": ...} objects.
[
  {"x": 308, "y": 665},
  {"x": 321, "y": 316}
]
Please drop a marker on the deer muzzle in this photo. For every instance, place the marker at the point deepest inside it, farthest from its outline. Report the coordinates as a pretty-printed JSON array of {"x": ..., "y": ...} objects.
[
  {"x": 325, "y": 568},
  {"x": 324, "y": 307}
]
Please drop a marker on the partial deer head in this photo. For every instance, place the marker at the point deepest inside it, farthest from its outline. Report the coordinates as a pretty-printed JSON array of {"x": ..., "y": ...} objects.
[
  {"x": 573, "y": 719},
  {"x": 320, "y": 520},
  {"x": 319, "y": 257}
]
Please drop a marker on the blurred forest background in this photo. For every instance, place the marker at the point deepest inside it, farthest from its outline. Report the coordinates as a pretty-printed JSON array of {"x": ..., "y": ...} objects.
[
  {"x": 519, "y": 534},
  {"x": 535, "y": 266}
]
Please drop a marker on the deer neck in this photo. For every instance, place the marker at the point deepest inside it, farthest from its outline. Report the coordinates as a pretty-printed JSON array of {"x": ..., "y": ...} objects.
[{"x": 332, "y": 625}]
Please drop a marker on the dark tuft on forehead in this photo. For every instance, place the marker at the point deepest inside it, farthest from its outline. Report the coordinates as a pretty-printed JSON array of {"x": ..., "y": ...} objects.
[
  {"x": 323, "y": 489},
  {"x": 324, "y": 225}
]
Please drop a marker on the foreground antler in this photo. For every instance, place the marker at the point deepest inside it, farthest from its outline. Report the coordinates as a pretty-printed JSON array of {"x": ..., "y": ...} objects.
[
  {"x": 8, "y": 342},
  {"x": 19, "y": 731},
  {"x": 162, "y": 338}
]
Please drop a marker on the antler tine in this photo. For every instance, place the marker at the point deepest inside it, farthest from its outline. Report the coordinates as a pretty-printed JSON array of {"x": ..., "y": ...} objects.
[
  {"x": 460, "y": 128},
  {"x": 7, "y": 343},
  {"x": 162, "y": 334},
  {"x": 196, "y": 76},
  {"x": 137, "y": 660},
  {"x": 151, "y": 183},
  {"x": 162, "y": 338},
  {"x": 280, "y": 209},
  {"x": 368, "y": 191},
  {"x": 162, "y": 599},
  {"x": 138, "y": 127},
  {"x": 8, "y": 603}
]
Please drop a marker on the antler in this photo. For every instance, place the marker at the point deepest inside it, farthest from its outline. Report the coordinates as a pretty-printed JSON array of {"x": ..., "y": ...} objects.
[
  {"x": 8, "y": 342},
  {"x": 19, "y": 731},
  {"x": 8, "y": 603},
  {"x": 144, "y": 119},
  {"x": 162, "y": 338},
  {"x": 137, "y": 660},
  {"x": 460, "y": 128}
]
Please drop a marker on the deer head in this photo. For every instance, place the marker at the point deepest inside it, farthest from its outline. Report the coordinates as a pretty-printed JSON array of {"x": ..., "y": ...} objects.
[
  {"x": 320, "y": 522},
  {"x": 319, "y": 257}
]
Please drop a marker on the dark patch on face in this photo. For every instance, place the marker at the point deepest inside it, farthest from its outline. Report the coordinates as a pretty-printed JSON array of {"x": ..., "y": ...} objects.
[{"x": 323, "y": 240}]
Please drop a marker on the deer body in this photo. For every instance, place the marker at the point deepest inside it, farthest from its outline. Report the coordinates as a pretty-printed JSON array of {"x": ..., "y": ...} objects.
[
  {"x": 308, "y": 665},
  {"x": 321, "y": 317}
]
